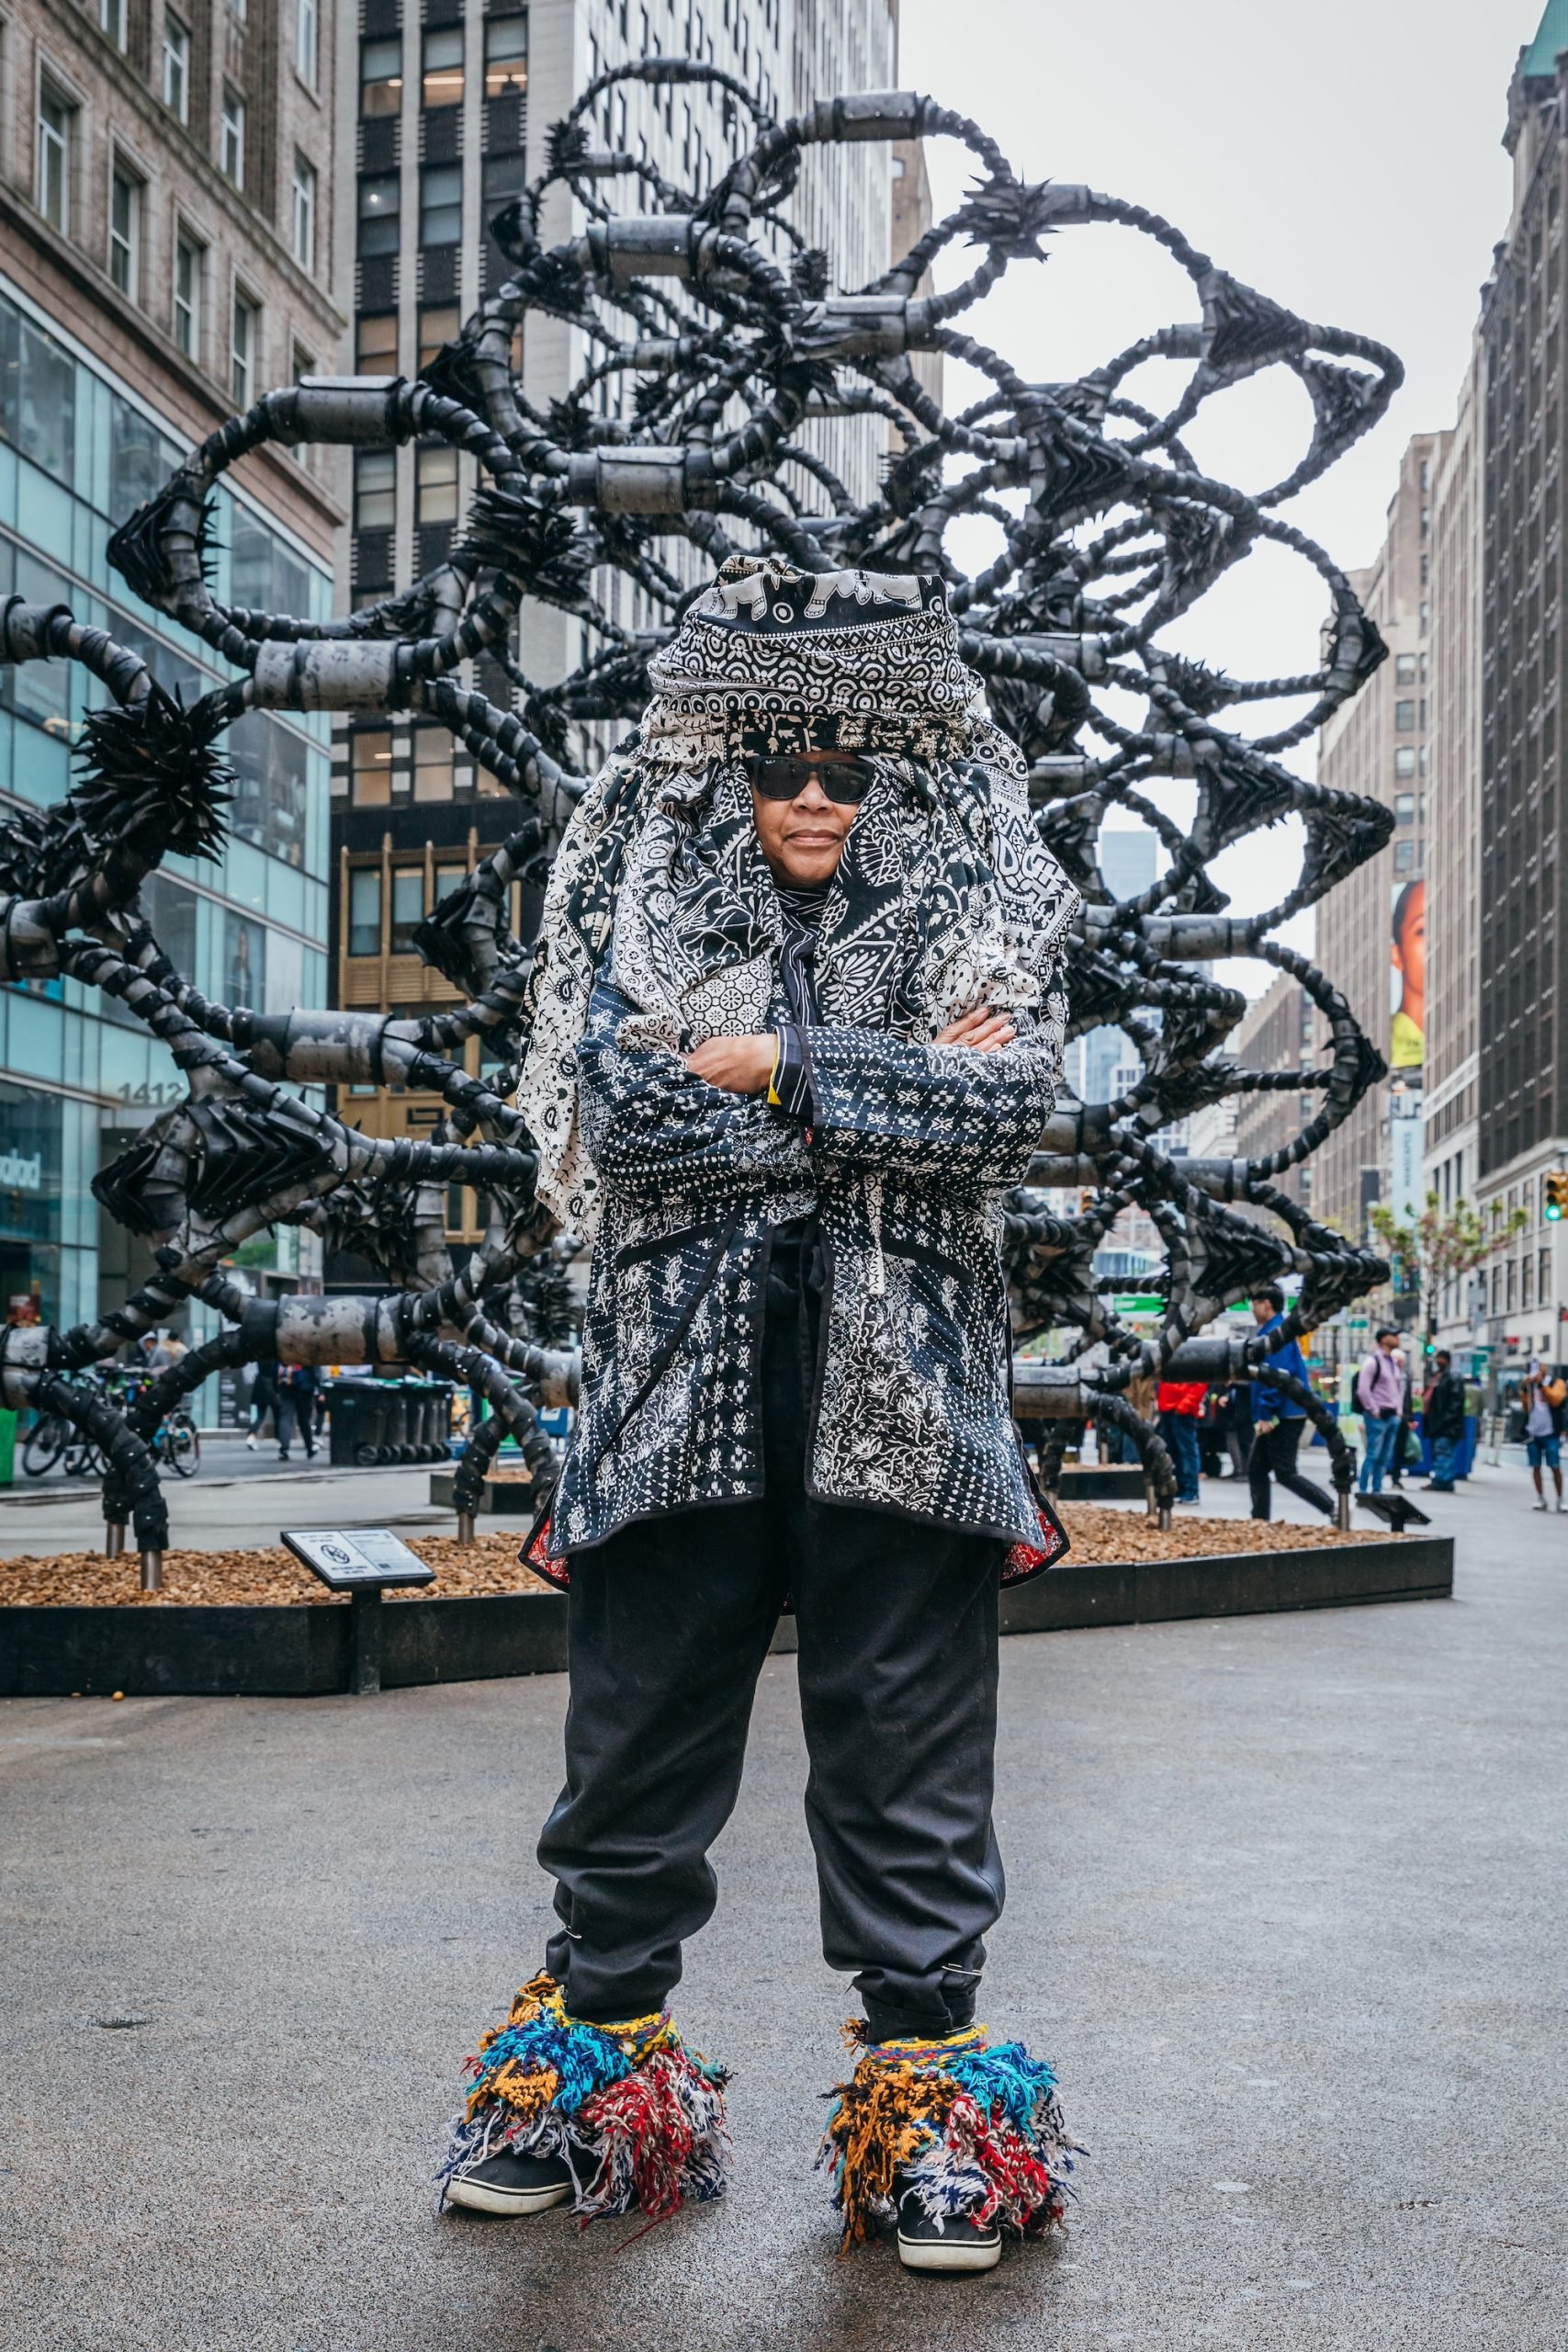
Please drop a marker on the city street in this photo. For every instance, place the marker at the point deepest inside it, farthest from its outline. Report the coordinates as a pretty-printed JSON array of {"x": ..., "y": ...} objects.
[{"x": 1285, "y": 1910}]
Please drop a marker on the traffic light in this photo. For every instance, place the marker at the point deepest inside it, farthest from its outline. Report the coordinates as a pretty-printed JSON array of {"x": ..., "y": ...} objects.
[{"x": 1557, "y": 1195}]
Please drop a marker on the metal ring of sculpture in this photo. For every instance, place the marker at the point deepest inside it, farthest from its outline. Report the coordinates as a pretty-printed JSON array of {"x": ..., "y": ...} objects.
[{"x": 726, "y": 355}]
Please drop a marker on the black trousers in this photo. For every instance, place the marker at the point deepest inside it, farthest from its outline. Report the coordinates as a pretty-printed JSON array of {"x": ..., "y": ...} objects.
[
  {"x": 1274, "y": 1454},
  {"x": 670, "y": 1624}
]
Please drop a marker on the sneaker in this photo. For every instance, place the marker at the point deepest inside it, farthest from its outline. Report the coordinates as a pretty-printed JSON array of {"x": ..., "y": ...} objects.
[
  {"x": 953, "y": 2243},
  {"x": 1561, "y": 1504},
  {"x": 251, "y": 1444},
  {"x": 1541, "y": 1504},
  {"x": 510, "y": 2184}
]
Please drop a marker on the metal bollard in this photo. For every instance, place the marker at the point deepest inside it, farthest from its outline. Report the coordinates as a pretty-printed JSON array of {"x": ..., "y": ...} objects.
[
  {"x": 465, "y": 1526},
  {"x": 151, "y": 1571},
  {"x": 1342, "y": 1511},
  {"x": 1165, "y": 1518},
  {"x": 114, "y": 1538}
]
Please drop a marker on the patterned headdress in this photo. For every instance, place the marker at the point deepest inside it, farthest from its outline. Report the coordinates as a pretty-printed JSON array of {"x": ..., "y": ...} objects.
[
  {"x": 945, "y": 895},
  {"x": 770, "y": 659}
]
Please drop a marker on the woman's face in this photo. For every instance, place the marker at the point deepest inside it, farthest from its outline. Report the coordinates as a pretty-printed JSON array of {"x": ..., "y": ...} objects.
[{"x": 804, "y": 839}]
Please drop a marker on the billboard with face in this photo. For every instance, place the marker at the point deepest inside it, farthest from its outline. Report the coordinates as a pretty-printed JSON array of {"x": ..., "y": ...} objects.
[{"x": 1408, "y": 978}]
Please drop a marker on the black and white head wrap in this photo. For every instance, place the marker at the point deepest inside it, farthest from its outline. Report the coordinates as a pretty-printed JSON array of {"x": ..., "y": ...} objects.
[{"x": 945, "y": 896}]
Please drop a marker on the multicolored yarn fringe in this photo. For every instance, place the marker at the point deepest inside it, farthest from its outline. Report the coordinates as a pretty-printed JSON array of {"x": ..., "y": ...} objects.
[
  {"x": 636, "y": 2117},
  {"x": 971, "y": 2129}
]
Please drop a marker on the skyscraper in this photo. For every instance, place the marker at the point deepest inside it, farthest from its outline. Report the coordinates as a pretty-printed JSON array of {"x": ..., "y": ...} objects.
[
  {"x": 1521, "y": 936},
  {"x": 1451, "y": 1116},
  {"x": 167, "y": 180},
  {"x": 1371, "y": 927}
]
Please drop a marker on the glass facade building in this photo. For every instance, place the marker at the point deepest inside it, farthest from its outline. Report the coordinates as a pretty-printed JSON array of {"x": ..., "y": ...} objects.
[{"x": 79, "y": 448}]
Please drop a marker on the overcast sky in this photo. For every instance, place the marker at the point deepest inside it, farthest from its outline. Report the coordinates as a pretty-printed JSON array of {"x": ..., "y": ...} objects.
[{"x": 1344, "y": 159}]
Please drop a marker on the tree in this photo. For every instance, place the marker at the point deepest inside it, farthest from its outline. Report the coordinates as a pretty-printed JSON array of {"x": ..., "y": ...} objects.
[{"x": 1430, "y": 1249}]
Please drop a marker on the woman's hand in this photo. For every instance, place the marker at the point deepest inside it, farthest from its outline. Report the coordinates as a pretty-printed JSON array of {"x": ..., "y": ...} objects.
[
  {"x": 984, "y": 1031},
  {"x": 737, "y": 1064}
]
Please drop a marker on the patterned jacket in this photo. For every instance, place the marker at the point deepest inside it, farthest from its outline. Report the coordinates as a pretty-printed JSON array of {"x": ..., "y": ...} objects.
[{"x": 910, "y": 1146}]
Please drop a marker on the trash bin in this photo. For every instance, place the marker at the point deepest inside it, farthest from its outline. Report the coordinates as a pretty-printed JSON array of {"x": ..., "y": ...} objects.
[{"x": 355, "y": 1413}]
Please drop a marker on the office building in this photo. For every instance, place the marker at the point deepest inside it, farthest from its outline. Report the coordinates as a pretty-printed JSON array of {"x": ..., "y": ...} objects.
[
  {"x": 1520, "y": 934},
  {"x": 1371, "y": 926},
  {"x": 166, "y": 185},
  {"x": 1276, "y": 1033},
  {"x": 447, "y": 112},
  {"x": 1452, "y": 1069}
]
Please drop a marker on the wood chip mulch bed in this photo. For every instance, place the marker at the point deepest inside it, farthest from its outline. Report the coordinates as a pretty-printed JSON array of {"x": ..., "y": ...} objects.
[{"x": 273, "y": 1577}]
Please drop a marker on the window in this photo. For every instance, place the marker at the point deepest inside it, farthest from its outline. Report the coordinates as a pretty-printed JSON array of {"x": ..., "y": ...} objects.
[
  {"x": 304, "y": 213},
  {"x": 506, "y": 56},
  {"x": 231, "y": 138},
  {"x": 187, "y": 296},
  {"x": 1405, "y": 761},
  {"x": 177, "y": 66},
  {"x": 1404, "y": 858},
  {"x": 139, "y": 465},
  {"x": 1404, "y": 714},
  {"x": 270, "y": 782},
  {"x": 441, "y": 205},
  {"x": 365, "y": 910},
  {"x": 433, "y": 772},
  {"x": 1405, "y": 808},
  {"x": 447, "y": 879},
  {"x": 408, "y": 906},
  {"x": 112, "y": 20},
  {"x": 1544, "y": 1291},
  {"x": 1405, "y": 669},
  {"x": 441, "y": 61},
  {"x": 307, "y": 41},
  {"x": 501, "y": 178},
  {"x": 436, "y": 485},
  {"x": 370, "y": 777},
  {"x": 375, "y": 489},
  {"x": 125, "y": 233},
  {"x": 242, "y": 341},
  {"x": 378, "y": 215},
  {"x": 376, "y": 344},
  {"x": 55, "y": 125},
  {"x": 244, "y": 961},
  {"x": 381, "y": 77},
  {"x": 437, "y": 327}
]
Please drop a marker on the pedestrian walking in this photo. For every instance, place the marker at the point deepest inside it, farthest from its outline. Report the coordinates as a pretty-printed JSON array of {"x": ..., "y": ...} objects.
[
  {"x": 1542, "y": 1396},
  {"x": 263, "y": 1400},
  {"x": 1278, "y": 1419},
  {"x": 797, "y": 1023},
  {"x": 1379, "y": 1399},
  {"x": 1442, "y": 1421},
  {"x": 1403, "y": 1451},
  {"x": 298, "y": 1390},
  {"x": 1179, "y": 1404}
]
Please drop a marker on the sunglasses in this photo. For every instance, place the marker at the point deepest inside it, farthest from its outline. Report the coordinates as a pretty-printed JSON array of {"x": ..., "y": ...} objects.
[{"x": 845, "y": 781}]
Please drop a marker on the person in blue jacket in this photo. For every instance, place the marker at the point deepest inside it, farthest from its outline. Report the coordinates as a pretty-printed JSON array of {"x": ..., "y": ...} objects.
[{"x": 1278, "y": 1419}]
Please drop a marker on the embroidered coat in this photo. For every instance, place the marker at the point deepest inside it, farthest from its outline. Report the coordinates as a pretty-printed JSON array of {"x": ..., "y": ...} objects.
[{"x": 910, "y": 1143}]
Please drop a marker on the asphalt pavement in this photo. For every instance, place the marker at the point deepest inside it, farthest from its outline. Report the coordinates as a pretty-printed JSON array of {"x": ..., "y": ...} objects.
[{"x": 1286, "y": 1911}]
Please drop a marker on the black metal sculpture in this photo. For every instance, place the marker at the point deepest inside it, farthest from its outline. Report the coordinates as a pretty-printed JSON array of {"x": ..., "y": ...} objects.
[{"x": 720, "y": 354}]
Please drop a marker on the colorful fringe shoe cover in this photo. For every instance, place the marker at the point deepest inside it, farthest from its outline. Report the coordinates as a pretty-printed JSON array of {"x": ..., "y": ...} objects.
[
  {"x": 637, "y": 2116},
  {"x": 974, "y": 2131}
]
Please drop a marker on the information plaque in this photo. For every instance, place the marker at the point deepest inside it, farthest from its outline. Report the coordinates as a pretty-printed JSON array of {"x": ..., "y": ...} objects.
[{"x": 349, "y": 1558}]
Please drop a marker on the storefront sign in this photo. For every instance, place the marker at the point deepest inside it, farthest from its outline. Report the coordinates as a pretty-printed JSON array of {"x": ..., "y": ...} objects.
[{"x": 21, "y": 1172}]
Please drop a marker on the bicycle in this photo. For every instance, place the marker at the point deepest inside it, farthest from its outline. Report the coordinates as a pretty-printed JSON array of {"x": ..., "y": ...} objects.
[
  {"x": 178, "y": 1443},
  {"x": 47, "y": 1440}
]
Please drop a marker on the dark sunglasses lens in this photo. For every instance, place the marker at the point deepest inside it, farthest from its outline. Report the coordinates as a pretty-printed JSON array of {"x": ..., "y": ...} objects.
[{"x": 844, "y": 781}]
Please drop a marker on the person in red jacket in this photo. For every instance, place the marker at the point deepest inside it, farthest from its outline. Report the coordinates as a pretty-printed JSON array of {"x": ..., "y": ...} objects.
[{"x": 1179, "y": 1404}]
